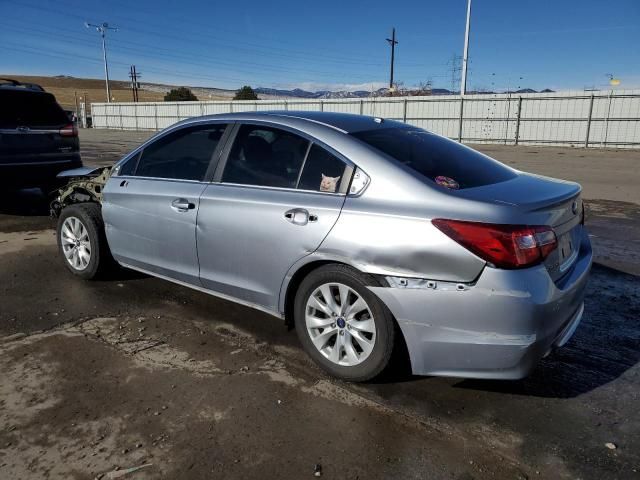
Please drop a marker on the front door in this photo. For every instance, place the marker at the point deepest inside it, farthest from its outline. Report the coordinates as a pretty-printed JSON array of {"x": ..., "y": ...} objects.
[
  {"x": 151, "y": 205},
  {"x": 277, "y": 199}
]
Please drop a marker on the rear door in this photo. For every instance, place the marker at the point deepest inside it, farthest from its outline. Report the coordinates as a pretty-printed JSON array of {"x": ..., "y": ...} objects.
[
  {"x": 32, "y": 127},
  {"x": 266, "y": 211},
  {"x": 151, "y": 204}
]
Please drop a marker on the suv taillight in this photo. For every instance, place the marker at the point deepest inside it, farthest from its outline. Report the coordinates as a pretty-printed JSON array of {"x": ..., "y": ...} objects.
[
  {"x": 504, "y": 246},
  {"x": 69, "y": 130}
]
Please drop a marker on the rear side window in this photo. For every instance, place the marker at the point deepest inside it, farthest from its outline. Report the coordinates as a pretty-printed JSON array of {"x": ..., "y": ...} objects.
[
  {"x": 322, "y": 171},
  {"x": 24, "y": 108},
  {"x": 439, "y": 159},
  {"x": 265, "y": 156},
  {"x": 184, "y": 154}
]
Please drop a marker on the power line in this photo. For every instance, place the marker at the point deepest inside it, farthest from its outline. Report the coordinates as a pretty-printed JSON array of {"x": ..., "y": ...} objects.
[
  {"x": 219, "y": 41},
  {"x": 153, "y": 51}
]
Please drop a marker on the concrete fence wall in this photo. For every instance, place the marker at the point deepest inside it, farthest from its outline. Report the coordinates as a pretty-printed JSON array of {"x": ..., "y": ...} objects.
[{"x": 593, "y": 119}]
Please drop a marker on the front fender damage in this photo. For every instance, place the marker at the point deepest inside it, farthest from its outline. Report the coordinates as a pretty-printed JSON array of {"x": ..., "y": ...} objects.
[{"x": 86, "y": 187}]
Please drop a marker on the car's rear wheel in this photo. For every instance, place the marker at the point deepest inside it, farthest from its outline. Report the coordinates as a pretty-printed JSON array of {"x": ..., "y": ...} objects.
[
  {"x": 82, "y": 242},
  {"x": 342, "y": 325}
]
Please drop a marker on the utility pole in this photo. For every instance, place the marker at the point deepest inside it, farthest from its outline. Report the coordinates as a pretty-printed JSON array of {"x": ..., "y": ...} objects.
[
  {"x": 136, "y": 75},
  {"x": 75, "y": 97},
  {"x": 133, "y": 83},
  {"x": 133, "y": 74},
  {"x": 465, "y": 54},
  {"x": 102, "y": 30},
  {"x": 393, "y": 42}
]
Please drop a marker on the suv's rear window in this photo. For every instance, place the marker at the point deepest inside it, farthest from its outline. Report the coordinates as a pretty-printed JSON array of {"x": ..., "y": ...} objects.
[
  {"x": 20, "y": 108},
  {"x": 434, "y": 156}
]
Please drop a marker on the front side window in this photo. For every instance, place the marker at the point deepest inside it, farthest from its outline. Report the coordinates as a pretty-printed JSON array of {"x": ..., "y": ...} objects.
[
  {"x": 322, "y": 171},
  {"x": 184, "y": 154},
  {"x": 265, "y": 156},
  {"x": 129, "y": 167},
  {"x": 439, "y": 159}
]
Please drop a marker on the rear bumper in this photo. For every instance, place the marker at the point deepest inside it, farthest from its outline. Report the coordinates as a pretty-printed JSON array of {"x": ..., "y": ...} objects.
[
  {"x": 498, "y": 328},
  {"x": 34, "y": 171}
]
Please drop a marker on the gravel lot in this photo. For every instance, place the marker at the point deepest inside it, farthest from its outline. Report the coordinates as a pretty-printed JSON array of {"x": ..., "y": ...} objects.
[{"x": 136, "y": 371}]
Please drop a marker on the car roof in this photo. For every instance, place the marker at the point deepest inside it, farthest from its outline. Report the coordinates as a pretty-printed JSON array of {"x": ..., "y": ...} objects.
[
  {"x": 344, "y": 122},
  {"x": 10, "y": 84}
]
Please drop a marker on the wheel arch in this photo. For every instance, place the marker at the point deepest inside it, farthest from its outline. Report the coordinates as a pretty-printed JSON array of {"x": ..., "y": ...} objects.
[
  {"x": 299, "y": 271},
  {"x": 401, "y": 359},
  {"x": 293, "y": 281}
]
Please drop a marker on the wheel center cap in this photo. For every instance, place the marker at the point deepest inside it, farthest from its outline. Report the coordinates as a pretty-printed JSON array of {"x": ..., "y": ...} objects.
[{"x": 341, "y": 323}]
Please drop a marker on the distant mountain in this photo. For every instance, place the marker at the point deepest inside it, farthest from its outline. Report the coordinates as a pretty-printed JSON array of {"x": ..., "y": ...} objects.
[
  {"x": 296, "y": 92},
  {"x": 299, "y": 93},
  {"x": 442, "y": 91}
]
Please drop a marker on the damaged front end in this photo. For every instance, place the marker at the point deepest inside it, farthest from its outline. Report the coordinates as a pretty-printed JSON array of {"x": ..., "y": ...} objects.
[{"x": 84, "y": 185}]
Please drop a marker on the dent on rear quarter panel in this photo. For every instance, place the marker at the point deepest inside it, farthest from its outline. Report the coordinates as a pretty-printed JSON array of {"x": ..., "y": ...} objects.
[{"x": 397, "y": 245}]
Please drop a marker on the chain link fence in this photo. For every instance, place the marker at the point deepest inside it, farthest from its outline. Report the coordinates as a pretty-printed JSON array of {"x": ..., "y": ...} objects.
[{"x": 586, "y": 119}]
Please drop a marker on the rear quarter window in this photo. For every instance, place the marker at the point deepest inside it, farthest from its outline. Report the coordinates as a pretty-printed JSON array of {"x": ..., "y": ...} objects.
[
  {"x": 322, "y": 172},
  {"x": 436, "y": 158},
  {"x": 24, "y": 108}
]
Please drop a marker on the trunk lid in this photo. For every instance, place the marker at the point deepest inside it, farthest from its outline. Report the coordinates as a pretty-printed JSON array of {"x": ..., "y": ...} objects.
[{"x": 537, "y": 200}]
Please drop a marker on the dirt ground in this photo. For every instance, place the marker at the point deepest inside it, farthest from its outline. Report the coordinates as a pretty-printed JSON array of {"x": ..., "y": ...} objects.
[{"x": 136, "y": 372}]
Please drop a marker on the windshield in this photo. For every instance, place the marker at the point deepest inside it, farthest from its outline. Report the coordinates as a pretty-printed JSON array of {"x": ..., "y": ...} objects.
[{"x": 441, "y": 160}]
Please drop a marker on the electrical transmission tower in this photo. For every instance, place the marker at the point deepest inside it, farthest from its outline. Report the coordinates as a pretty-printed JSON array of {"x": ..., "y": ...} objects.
[
  {"x": 455, "y": 71},
  {"x": 135, "y": 85},
  {"x": 102, "y": 30}
]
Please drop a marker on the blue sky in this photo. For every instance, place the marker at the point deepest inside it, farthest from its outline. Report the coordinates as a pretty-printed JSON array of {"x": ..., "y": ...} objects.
[{"x": 558, "y": 44}]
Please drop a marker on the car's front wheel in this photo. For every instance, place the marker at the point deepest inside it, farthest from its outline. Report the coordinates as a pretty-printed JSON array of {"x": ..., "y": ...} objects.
[
  {"x": 342, "y": 325},
  {"x": 82, "y": 242}
]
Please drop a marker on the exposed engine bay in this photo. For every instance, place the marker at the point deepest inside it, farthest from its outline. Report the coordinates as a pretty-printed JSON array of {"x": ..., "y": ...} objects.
[{"x": 84, "y": 185}]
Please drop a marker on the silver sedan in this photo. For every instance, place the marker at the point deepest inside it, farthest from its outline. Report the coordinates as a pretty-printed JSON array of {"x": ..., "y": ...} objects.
[{"x": 362, "y": 232}]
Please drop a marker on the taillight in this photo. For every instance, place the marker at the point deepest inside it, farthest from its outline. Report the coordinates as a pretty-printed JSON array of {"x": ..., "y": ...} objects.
[
  {"x": 504, "y": 246},
  {"x": 69, "y": 130}
]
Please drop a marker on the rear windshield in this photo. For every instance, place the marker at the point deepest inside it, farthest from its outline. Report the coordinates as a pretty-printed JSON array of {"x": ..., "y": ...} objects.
[
  {"x": 441, "y": 160},
  {"x": 30, "y": 109}
]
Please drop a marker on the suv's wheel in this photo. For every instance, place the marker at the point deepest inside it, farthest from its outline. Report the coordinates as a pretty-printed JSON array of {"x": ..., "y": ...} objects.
[
  {"x": 342, "y": 325},
  {"x": 82, "y": 242}
]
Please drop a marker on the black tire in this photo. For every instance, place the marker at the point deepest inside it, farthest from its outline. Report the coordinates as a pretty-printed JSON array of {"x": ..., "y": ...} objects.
[
  {"x": 90, "y": 215},
  {"x": 381, "y": 354}
]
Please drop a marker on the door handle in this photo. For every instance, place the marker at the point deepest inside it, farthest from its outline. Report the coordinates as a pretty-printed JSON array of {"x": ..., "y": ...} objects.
[
  {"x": 300, "y": 216},
  {"x": 182, "y": 205}
]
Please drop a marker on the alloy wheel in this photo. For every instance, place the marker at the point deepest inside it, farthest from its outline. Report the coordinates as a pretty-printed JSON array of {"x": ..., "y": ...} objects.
[
  {"x": 340, "y": 324},
  {"x": 76, "y": 246}
]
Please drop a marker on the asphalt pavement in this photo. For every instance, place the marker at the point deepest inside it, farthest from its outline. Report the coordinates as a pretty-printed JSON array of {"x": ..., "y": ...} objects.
[{"x": 137, "y": 372}]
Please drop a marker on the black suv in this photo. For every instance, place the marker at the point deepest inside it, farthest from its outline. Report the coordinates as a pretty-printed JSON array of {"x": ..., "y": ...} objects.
[{"x": 37, "y": 138}]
